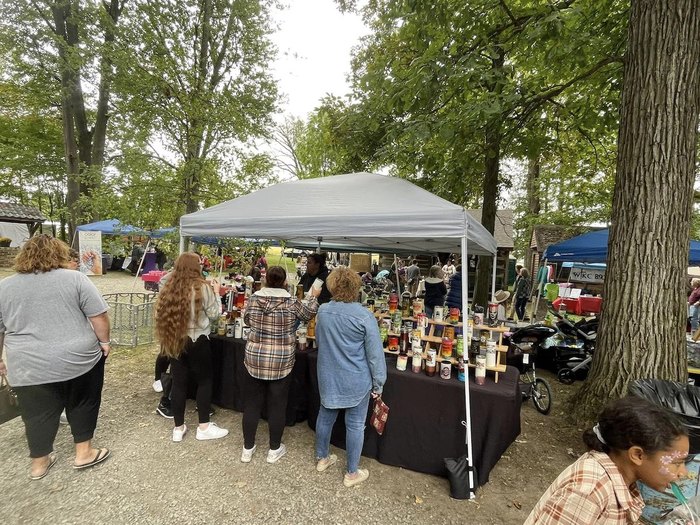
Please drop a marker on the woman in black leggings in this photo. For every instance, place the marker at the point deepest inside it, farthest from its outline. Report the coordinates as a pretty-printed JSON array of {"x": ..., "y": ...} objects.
[{"x": 183, "y": 313}]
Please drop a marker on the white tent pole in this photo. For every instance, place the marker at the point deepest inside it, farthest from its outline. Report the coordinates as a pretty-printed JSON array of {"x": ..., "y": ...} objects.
[
  {"x": 221, "y": 265},
  {"x": 182, "y": 243},
  {"x": 398, "y": 281},
  {"x": 136, "y": 277},
  {"x": 493, "y": 275},
  {"x": 539, "y": 293},
  {"x": 467, "y": 400}
]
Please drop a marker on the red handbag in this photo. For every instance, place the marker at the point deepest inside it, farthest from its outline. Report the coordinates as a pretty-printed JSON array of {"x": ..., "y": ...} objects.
[{"x": 380, "y": 413}]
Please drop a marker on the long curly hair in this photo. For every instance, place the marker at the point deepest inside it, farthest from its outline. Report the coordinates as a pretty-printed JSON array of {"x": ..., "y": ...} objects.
[
  {"x": 42, "y": 253},
  {"x": 173, "y": 310}
]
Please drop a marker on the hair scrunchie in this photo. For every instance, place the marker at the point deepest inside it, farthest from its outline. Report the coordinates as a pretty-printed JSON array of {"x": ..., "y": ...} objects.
[{"x": 596, "y": 431}]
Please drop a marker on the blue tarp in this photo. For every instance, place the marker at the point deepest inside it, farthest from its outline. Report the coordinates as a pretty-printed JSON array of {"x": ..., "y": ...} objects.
[
  {"x": 110, "y": 227},
  {"x": 592, "y": 247}
]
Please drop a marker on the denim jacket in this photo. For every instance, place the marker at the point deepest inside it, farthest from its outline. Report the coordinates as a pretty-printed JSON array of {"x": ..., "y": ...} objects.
[{"x": 350, "y": 357}]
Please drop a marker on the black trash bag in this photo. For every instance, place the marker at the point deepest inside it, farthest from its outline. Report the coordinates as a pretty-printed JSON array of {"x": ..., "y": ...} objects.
[
  {"x": 681, "y": 399},
  {"x": 458, "y": 474}
]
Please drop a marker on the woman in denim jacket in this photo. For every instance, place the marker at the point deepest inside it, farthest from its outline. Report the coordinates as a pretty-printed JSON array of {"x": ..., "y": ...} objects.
[{"x": 351, "y": 367}]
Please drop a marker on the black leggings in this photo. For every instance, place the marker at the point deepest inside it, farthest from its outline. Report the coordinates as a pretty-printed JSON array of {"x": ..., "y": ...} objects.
[
  {"x": 162, "y": 363},
  {"x": 195, "y": 359},
  {"x": 255, "y": 392},
  {"x": 41, "y": 407}
]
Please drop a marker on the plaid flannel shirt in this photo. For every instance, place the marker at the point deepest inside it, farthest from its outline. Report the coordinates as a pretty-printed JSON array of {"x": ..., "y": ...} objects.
[
  {"x": 272, "y": 314},
  {"x": 590, "y": 491}
]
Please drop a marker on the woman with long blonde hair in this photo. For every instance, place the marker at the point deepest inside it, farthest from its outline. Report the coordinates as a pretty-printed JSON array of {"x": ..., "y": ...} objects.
[{"x": 184, "y": 310}]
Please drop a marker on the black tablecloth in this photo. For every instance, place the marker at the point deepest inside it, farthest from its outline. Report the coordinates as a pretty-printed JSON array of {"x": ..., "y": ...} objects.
[
  {"x": 425, "y": 416},
  {"x": 230, "y": 372}
]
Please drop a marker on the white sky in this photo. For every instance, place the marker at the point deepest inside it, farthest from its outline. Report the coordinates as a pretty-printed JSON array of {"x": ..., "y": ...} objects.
[{"x": 314, "y": 41}]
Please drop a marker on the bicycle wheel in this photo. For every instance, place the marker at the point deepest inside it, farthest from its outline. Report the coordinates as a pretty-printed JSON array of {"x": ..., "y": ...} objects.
[
  {"x": 566, "y": 376},
  {"x": 542, "y": 396}
]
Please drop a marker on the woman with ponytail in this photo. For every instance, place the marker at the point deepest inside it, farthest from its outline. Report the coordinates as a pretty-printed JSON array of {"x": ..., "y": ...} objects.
[
  {"x": 184, "y": 310},
  {"x": 634, "y": 440}
]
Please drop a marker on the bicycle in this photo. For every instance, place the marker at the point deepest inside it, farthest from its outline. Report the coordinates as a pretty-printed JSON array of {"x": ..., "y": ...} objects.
[{"x": 535, "y": 388}]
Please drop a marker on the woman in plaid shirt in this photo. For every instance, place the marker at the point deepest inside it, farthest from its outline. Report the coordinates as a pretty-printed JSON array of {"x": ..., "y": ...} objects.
[
  {"x": 634, "y": 440},
  {"x": 272, "y": 315}
]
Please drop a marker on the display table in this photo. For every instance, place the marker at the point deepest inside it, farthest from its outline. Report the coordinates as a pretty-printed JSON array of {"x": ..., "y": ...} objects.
[
  {"x": 229, "y": 375},
  {"x": 425, "y": 420},
  {"x": 580, "y": 306}
]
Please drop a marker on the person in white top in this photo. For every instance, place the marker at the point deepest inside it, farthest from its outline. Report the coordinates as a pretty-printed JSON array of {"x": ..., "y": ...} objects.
[
  {"x": 185, "y": 307},
  {"x": 448, "y": 270}
]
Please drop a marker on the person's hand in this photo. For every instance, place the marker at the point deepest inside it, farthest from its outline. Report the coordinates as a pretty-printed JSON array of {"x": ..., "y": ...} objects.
[
  {"x": 92, "y": 261},
  {"x": 3, "y": 368},
  {"x": 106, "y": 348},
  {"x": 315, "y": 292},
  {"x": 216, "y": 286},
  {"x": 375, "y": 395}
]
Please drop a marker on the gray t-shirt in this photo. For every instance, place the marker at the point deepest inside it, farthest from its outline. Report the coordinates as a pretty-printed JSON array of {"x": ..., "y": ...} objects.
[{"x": 44, "y": 316}]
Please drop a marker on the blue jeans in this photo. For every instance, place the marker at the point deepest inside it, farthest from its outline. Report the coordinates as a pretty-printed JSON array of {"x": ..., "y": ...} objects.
[
  {"x": 694, "y": 311},
  {"x": 354, "y": 432}
]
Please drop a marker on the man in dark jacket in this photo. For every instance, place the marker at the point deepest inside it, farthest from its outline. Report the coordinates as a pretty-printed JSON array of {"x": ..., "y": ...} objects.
[{"x": 316, "y": 269}]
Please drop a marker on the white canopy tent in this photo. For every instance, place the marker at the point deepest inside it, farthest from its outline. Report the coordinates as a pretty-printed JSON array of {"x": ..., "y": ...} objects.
[{"x": 352, "y": 212}]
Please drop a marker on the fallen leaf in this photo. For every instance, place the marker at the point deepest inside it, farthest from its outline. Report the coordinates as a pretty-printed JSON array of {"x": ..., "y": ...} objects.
[
  {"x": 517, "y": 505},
  {"x": 418, "y": 500},
  {"x": 521, "y": 441},
  {"x": 241, "y": 484},
  {"x": 570, "y": 452}
]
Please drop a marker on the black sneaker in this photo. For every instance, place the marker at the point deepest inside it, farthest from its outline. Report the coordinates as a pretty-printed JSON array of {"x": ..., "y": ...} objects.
[{"x": 165, "y": 411}]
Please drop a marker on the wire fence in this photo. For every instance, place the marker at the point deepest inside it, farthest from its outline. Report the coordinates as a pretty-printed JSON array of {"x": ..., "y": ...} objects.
[{"x": 131, "y": 318}]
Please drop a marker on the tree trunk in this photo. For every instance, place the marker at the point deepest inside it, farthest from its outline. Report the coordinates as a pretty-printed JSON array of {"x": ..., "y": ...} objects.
[
  {"x": 644, "y": 313},
  {"x": 532, "y": 188},
  {"x": 492, "y": 154}
]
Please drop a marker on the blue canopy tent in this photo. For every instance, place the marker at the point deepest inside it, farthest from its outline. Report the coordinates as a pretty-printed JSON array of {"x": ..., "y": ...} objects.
[
  {"x": 592, "y": 247},
  {"x": 111, "y": 227}
]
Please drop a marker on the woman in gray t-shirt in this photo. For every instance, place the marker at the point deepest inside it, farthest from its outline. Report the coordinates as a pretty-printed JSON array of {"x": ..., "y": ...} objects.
[{"x": 54, "y": 325}]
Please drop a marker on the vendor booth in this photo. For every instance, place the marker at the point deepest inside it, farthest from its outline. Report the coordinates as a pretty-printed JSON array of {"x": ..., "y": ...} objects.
[{"x": 359, "y": 212}]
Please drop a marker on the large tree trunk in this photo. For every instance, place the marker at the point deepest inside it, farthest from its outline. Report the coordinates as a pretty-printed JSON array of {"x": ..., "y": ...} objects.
[
  {"x": 644, "y": 312},
  {"x": 492, "y": 154},
  {"x": 532, "y": 188}
]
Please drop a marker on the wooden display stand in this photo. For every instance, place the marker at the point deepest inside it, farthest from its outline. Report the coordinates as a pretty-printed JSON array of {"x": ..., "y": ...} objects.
[{"x": 430, "y": 340}]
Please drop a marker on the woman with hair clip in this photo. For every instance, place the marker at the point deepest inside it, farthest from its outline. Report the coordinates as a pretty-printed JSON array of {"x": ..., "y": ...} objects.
[
  {"x": 184, "y": 311},
  {"x": 272, "y": 315},
  {"x": 634, "y": 440}
]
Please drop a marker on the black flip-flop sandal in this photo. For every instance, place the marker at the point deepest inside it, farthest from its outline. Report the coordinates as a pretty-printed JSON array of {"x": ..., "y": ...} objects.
[
  {"x": 52, "y": 462},
  {"x": 102, "y": 454}
]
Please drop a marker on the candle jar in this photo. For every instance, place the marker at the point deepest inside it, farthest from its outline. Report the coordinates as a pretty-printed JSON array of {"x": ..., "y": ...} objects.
[
  {"x": 446, "y": 348},
  {"x": 480, "y": 370},
  {"x": 416, "y": 361},
  {"x": 430, "y": 362},
  {"x": 491, "y": 353},
  {"x": 454, "y": 315},
  {"x": 401, "y": 362},
  {"x": 393, "y": 343},
  {"x": 445, "y": 370}
]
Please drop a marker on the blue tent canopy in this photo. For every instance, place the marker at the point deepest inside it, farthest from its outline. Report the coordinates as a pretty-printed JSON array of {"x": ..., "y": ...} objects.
[
  {"x": 592, "y": 247},
  {"x": 110, "y": 227}
]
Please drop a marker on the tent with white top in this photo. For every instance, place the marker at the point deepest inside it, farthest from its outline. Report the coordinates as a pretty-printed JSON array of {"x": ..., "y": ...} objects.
[{"x": 352, "y": 212}]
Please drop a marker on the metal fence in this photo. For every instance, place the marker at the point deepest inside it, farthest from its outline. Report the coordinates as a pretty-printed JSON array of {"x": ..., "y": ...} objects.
[{"x": 131, "y": 318}]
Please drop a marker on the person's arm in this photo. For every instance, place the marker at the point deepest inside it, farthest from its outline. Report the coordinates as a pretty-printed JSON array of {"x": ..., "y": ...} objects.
[
  {"x": 3, "y": 366},
  {"x": 100, "y": 324},
  {"x": 211, "y": 302},
  {"x": 375, "y": 356}
]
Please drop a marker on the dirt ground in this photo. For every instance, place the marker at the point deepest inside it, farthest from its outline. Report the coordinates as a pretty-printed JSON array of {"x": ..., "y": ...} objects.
[{"x": 151, "y": 480}]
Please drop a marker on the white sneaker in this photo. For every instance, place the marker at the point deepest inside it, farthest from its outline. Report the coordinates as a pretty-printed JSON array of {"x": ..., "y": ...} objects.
[
  {"x": 178, "y": 434},
  {"x": 63, "y": 420},
  {"x": 274, "y": 455},
  {"x": 158, "y": 386},
  {"x": 247, "y": 454},
  {"x": 362, "y": 475},
  {"x": 212, "y": 432}
]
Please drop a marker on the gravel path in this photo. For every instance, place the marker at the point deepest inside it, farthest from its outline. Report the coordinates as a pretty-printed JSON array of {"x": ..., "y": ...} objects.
[{"x": 151, "y": 480}]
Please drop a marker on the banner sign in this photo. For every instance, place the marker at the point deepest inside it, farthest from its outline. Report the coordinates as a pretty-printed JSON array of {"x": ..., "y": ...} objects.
[
  {"x": 587, "y": 274},
  {"x": 90, "y": 248}
]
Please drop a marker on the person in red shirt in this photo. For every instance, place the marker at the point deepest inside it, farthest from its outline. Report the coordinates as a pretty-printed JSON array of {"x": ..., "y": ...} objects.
[{"x": 694, "y": 305}]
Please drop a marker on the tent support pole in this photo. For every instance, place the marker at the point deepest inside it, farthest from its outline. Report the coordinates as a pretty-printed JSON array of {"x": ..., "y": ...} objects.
[
  {"x": 398, "y": 281},
  {"x": 533, "y": 317},
  {"x": 136, "y": 277},
  {"x": 467, "y": 400},
  {"x": 493, "y": 275},
  {"x": 182, "y": 243}
]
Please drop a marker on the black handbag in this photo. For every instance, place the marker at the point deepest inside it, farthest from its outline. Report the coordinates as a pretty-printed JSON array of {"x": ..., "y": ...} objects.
[{"x": 9, "y": 406}]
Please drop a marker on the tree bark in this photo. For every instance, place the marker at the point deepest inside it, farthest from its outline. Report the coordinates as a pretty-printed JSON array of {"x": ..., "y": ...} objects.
[
  {"x": 532, "y": 189},
  {"x": 492, "y": 156},
  {"x": 644, "y": 313}
]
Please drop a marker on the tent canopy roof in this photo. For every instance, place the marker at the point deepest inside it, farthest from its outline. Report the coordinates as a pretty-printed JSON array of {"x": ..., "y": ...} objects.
[
  {"x": 593, "y": 247},
  {"x": 352, "y": 212}
]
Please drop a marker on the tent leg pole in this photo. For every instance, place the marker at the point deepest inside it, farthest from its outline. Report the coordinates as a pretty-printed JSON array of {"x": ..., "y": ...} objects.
[
  {"x": 182, "y": 244},
  {"x": 493, "y": 275},
  {"x": 136, "y": 277},
  {"x": 467, "y": 399},
  {"x": 396, "y": 271}
]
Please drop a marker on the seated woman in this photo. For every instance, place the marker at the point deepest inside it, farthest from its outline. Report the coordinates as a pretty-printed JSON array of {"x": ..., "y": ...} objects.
[
  {"x": 634, "y": 440},
  {"x": 351, "y": 365}
]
